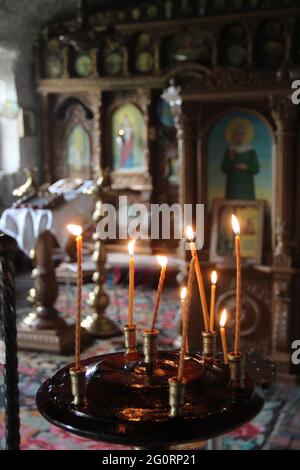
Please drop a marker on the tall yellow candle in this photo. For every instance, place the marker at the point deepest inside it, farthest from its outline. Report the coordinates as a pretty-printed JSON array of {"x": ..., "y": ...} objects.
[
  {"x": 223, "y": 335},
  {"x": 214, "y": 278},
  {"x": 236, "y": 229},
  {"x": 183, "y": 292},
  {"x": 77, "y": 231},
  {"x": 191, "y": 236},
  {"x": 186, "y": 320},
  {"x": 163, "y": 261},
  {"x": 131, "y": 245}
]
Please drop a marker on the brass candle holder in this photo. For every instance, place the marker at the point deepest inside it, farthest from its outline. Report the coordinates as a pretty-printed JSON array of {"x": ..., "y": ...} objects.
[
  {"x": 130, "y": 339},
  {"x": 176, "y": 396},
  {"x": 99, "y": 325},
  {"x": 209, "y": 343},
  {"x": 150, "y": 345},
  {"x": 237, "y": 369},
  {"x": 78, "y": 385}
]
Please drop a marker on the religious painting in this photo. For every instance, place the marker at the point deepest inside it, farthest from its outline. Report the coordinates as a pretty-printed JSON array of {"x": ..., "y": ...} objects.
[
  {"x": 251, "y": 216},
  {"x": 78, "y": 153},
  {"x": 167, "y": 142},
  {"x": 239, "y": 158},
  {"x": 128, "y": 139}
]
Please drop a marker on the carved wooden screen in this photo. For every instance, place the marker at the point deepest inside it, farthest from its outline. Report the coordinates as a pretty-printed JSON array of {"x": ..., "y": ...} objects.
[{"x": 73, "y": 148}]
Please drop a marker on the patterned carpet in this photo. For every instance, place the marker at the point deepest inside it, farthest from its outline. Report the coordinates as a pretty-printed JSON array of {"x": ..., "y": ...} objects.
[{"x": 276, "y": 427}]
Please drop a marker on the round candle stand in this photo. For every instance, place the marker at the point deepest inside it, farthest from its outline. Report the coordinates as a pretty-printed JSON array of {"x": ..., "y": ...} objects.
[{"x": 127, "y": 405}]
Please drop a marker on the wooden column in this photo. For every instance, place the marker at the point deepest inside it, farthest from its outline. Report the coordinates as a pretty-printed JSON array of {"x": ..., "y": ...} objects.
[
  {"x": 187, "y": 143},
  {"x": 284, "y": 115},
  {"x": 96, "y": 106},
  {"x": 46, "y": 139}
]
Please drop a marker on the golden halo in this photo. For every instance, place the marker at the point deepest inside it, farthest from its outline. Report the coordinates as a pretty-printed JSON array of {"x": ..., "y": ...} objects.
[{"x": 239, "y": 124}]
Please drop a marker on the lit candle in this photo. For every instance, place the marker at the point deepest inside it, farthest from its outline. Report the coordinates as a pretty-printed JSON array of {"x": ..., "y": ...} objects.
[
  {"x": 214, "y": 278},
  {"x": 182, "y": 301},
  {"x": 76, "y": 230},
  {"x": 131, "y": 245},
  {"x": 236, "y": 229},
  {"x": 186, "y": 315},
  {"x": 223, "y": 335},
  {"x": 190, "y": 235},
  {"x": 183, "y": 292},
  {"x": 162, "y": 261}
]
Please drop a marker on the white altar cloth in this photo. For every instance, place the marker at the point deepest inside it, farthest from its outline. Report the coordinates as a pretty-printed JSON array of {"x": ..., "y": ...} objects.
[{"x": 26, "y": 224}]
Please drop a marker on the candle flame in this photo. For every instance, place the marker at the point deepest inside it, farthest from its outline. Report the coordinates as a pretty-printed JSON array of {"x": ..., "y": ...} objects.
[
  {"x": 189, "y": 233},
  {"x": 223, "y": 318},
  {"x": 162, "y": 260},
  {"x": 76, "y": 230},
  {"x": 183, "y": 291},
  {"x": 131, "y": 245},
  {"x": 214, "y": 277},
  {"x": 235, "y": 224}
]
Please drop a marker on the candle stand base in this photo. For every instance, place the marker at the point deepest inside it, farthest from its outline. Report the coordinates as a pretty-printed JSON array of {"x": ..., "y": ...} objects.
[
  {"x": 99, "y": 326},
  {"x": 130, "y": 339},
  {"x": 58, "y": 340},
  {"x": 150, "y": 345},
  {"x": 176, "y": 396},
  {"x": 209, "y": 344},
  {"x": 237, "y": 369},
  {"x": 127, "y": 405},
  {"x": 78, "y": 385}
]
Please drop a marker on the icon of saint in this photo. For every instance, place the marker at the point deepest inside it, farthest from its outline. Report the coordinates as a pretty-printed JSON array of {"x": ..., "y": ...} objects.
[{"x": 240, "y": 162}]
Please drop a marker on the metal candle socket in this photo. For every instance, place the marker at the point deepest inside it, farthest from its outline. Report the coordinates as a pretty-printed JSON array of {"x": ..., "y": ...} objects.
[
  {"x": 176, "y": 396},
  {"x": 78, "y": 385},
  {"x": 237, "y": 369},
  {"x": 130, "y": 339},
  {"x": 209, "y": 343},
  {"x": 150, "y": 345}
]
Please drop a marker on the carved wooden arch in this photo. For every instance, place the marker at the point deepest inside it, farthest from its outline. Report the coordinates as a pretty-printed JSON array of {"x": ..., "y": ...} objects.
[
  {"x": 133, "y": 179},
  {"x": 75, "y": 113}
]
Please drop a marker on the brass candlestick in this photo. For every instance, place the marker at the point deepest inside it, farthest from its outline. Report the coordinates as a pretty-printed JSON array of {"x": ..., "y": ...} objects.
[
  {"x": 209, "y": 344},
  {"x": 30, "y": 186},
  {"x": 78, "y": 385},
  {"x": 98, "y": 324},
  {"x": 176, "y": 396},
  {"x": 237, "y": 369},
  {"x": 130, "y": 339},
  {"x": 150, "y": 345}
]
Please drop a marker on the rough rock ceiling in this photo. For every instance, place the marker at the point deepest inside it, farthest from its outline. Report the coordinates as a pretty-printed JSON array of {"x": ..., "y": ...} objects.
[{"x": 21, "y": 20}]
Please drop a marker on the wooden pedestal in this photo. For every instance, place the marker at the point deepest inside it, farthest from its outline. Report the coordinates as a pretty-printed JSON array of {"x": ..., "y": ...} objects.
[{"x": 56, "y": 341}]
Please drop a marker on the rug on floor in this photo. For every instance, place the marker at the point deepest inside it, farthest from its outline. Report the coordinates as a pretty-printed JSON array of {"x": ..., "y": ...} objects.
[{"x": 276, "y": 427}]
